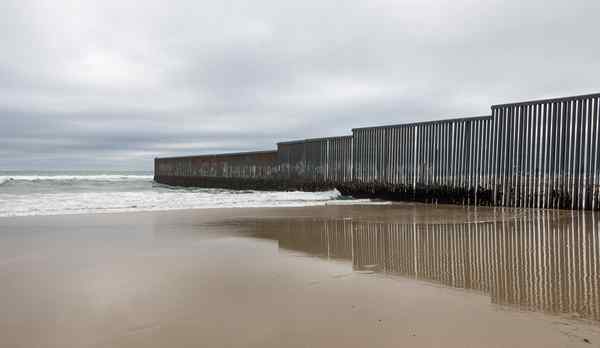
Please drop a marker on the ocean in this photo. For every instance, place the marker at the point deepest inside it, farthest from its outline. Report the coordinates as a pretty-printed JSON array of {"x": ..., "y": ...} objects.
[{"x": 26, "y": 193}]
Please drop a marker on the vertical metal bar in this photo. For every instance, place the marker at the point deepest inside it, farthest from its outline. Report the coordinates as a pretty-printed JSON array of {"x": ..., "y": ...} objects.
[
  {"x": 565, "y": 150},
  {"x": 356, "y": 143},
  {"x": 362, "y": 157},
  {"x": 579, "y": 153},
  {"x": 394, "y": 155},
  {"x": 546, "y": 144},
  {"x": 596, "y": 153},
  {"x": 409, "y": 153},
  {"x": 457, "y": 150},
  {"x": 418, "y": 146},
  {"x": 404, "y": 148},
  {"x": 380, "y": 155},
  {"x": 361, "y": 160},
  {"x": 570, "y": 147},
  {"x": 562, "y": 128},
  {"x": 541, "y": 132},
  {"x": 538, "y": 153},
  {"x": 504, "y": 153},
  {"x": 526, "y": 167},
  {"x": 493, "y": 156},
  {"x": 397, "y": 152},
  {"x": 487, "y": 142},
  {"x": 413, "y": 155},
  {"x": 512, "y": 154},
  {"x": 401, "y": 158},
  {"x": 373, "y": 156},
  {"x": 554, "y": 144},
  {"x": 576, "y": 154},
  {"x": 586, "y": 154},
  {"x": 365, "y": 156},
  {"x": 518, "y": 153},
  {"x": 522, "y": 156}
]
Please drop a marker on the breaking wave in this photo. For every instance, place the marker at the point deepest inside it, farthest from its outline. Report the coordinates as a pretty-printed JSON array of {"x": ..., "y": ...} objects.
[{"x": 33, "y": 194}]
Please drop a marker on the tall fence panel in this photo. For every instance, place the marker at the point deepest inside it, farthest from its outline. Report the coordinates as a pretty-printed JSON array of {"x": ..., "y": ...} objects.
[
  {"x": 547, "y": 153},
  {"x": 441, "y": 160},
  {"x": 324, "y": 161},
  {"x": 235, "y": 170}
]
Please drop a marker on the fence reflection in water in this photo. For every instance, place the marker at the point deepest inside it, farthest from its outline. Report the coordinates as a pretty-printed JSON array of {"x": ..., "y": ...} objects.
[{"x": 540, "y": 260}]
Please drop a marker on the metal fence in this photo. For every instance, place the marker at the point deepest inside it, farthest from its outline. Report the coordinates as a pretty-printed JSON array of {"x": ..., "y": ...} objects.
[
  {"x": 258, "y": 164},
  {"x": 310, "y": 164},
  {"x": 320, "y": 160},
  {"x": 541, "y": 154},
  {"x": 435, "y": 159},
  {"x": 546, "y": 153}
]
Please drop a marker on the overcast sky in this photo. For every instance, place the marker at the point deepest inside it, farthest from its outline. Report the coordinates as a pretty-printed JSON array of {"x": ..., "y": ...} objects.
[{"x": 112, "y": 84}]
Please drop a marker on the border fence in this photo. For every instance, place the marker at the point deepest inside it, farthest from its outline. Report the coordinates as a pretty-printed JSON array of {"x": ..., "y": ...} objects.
[
  {"x": 542, "y": 154},
  {"x": 324, "y": 161}
]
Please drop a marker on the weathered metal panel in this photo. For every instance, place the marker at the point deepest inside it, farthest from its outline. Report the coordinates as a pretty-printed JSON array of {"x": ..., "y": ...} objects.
[
  {"x": 558, "y": 153},
  {"x": 431, "y": 161},
  {"x": 319, "y": 161}
]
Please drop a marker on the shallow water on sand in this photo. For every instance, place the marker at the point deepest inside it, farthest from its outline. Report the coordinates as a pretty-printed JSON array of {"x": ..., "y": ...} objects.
[
  {"x": 545, "y": 261},
  {"x": 338, "y": 276}
]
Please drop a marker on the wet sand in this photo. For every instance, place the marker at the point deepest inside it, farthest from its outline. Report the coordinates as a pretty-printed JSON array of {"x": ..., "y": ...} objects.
[{"x": 338, "y": 276}]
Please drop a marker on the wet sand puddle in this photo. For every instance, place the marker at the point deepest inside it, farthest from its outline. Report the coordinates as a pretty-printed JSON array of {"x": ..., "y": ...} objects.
[{"x": 545, "y": 261}]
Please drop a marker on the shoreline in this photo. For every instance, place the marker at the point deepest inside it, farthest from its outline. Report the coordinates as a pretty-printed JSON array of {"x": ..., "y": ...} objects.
[
  {"x": 271, "y": 277},
  {"x": 377, "y": 204}
]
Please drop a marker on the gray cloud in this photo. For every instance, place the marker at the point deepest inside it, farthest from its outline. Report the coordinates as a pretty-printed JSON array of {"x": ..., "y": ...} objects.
[{"x": 112, "y": 84}]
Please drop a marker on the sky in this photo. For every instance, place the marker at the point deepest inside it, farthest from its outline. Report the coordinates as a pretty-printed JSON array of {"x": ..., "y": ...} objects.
[{"x": 113, "y": 84}]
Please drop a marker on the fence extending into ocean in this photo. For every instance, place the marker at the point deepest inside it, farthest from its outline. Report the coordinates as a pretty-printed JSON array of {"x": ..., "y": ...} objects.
[{"x": 542, "y": 153}]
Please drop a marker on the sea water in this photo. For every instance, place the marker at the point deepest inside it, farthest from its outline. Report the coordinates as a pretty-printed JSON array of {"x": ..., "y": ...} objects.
[{"x": 24, "y": 193}]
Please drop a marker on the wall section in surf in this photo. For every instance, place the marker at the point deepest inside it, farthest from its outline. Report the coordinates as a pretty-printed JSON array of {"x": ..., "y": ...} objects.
[
  {"x": 543, "y": 153},
  {"x": 310, "y": 165}
]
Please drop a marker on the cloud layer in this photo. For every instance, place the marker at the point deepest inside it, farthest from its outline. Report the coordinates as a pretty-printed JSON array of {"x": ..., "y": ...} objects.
[{"x": 112, "y": 84}]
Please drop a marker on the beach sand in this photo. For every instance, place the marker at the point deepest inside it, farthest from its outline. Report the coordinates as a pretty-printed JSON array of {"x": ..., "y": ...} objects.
[{"x": 335, "y": 276}]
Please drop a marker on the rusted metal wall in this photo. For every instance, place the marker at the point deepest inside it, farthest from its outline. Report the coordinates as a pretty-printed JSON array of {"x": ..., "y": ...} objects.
[
  {"x": 439, "y": 161},
  {"x": 244, "y": 170},
  {"x": 322, "y": 160},
  {"x": 258, "y": 164},
  {"x": 311, "y": 164}
]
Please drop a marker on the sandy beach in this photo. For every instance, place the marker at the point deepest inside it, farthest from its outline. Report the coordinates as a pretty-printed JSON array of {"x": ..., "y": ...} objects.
[{"x": 403, "y": 275}]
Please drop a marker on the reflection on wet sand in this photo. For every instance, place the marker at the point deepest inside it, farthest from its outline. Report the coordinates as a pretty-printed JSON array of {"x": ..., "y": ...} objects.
[{"x": 537, "y": 260}]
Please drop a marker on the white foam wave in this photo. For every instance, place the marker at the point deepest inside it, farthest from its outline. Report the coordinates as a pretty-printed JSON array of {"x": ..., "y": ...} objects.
[
  {"x": 101, "y": 177},
  {"x": 105, "y": 202}
]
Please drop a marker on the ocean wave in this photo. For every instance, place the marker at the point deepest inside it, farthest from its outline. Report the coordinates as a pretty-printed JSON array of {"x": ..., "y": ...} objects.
[
  {"x": 103, "y": 202},
  {"x": 100, "y": 177}
]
